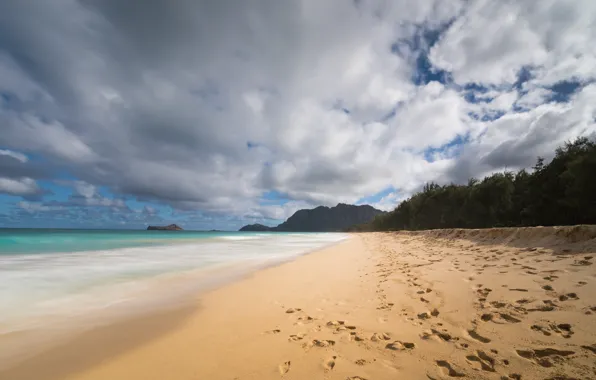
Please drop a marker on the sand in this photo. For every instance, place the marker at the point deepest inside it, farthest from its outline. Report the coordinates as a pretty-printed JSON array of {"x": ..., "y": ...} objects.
[{"x": 478, "y": 304}]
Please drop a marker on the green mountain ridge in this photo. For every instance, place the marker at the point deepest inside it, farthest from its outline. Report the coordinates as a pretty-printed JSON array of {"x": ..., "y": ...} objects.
[{"x": 322, "y": 219}]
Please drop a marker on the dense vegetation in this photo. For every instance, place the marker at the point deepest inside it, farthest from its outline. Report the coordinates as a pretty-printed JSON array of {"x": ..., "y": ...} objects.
[{"x": 562, "y": 192}]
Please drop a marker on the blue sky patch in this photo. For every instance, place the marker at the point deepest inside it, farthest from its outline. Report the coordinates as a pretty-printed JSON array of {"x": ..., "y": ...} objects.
[
  {"x": 563, "y": 90},
  {"x": 451, "y": 148},
  {"x": 524, "y": 75},
  {"x": 274, "y": 197}
]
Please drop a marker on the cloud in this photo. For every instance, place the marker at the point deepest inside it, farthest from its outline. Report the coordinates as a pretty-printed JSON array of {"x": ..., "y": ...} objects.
[
  {"x": 275, "y": 212},
  {"x": 549, "y": 36},
  {"x": 32, "y": 207},
  {"x": 16, "y": 155},
  {"x": 87, "y": 195},
  {"x": 390, "y": 201},
  {"x": 208, "y": 106},
  {"x": 21, "y": 186}
]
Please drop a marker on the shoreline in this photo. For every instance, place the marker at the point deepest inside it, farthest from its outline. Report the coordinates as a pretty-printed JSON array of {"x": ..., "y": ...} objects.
[
  {"x": 56, "y": 358},
  {"x": 428, "y": 305},
  {"x": 109, "y": 296}
]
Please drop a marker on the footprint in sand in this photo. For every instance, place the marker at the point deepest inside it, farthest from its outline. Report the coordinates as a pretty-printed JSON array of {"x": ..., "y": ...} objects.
[
  {"x": 284, "y": 367},
  {"x": 318, "y": 343},
  {"x": 426, "y": 334},
  {"x": 329, "y": 364},
  {"x": 443, "y": 335},
  {"x": 541, "y": 356},
  {"x": 305, "y": 319},
  {"x": 580, "y": 263},
  {"x": 449, "y": 369},
  {"x": 356, "y": 378},
  {"x": 497, "y": 304},
  {"x": 335, "y": 323},
  {"x": 400, "y": 346},
  {"x": 296, "y": 337},
  {"x": 543, "y": 308},
  {"x": 591, "y": 348},
  {"x": 542, "y": 329},
  {"x": 563, "y": 329},
  {"x": 357, "y": 337},
  {"x": 487, "y": 363},
  {"x": 509, "y": 318},
  {"x": 427, "y": 315},
  {"x": 474, "y": 335},
  {"x": 292, "y": 310},
  {"x": 377, "y": 337}
]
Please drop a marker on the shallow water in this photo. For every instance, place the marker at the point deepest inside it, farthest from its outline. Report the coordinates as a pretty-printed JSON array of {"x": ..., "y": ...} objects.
[{"x": 57, "y": 279}]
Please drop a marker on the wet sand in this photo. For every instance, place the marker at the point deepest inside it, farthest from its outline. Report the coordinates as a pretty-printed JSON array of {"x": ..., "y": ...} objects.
[{"x": 478, "y": 304}]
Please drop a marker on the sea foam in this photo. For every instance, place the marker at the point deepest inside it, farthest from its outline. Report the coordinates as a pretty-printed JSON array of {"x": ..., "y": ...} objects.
[{"x": 60, "y": 291}]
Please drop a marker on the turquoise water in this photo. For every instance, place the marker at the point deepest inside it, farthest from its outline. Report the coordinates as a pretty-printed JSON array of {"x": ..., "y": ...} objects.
[
  {"x": 31, "y": 241},
  {"x": 56, "y": 282},
  {"x": 55, "y": 278}
]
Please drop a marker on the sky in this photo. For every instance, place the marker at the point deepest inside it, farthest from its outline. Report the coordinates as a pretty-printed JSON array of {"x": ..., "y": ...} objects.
[{"x": 214, "y": 114}]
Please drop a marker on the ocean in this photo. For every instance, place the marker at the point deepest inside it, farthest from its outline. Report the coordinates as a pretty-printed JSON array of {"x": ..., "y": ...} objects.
[{"x": 53, "y": 280}]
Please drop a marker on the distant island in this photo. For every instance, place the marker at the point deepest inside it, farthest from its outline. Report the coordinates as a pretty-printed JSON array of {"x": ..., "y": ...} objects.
[
  {"x": 171, "y": 227},
  {"x": 322, "y": 219}
]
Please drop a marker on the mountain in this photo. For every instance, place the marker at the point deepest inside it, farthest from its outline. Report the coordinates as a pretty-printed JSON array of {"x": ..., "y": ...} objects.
[
  {"x": 255, "y": 227},
  {"x": 171, "y": 227},
  {"x": 322, "y": 219}
]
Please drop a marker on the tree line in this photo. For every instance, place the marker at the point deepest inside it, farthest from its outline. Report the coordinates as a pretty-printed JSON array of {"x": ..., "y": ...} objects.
[{"x": 562, "y": 192}]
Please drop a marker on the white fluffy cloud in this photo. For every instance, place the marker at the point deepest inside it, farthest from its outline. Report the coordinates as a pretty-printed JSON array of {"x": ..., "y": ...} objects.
[
  {"x": 21, "y": 186},
  {"x": 491, "y": 41},
  {"x": 209, "y": 105}
]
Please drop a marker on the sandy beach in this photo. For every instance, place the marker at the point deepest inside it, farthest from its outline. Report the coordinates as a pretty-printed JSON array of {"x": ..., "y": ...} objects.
[{"x": 478, "y": 304}]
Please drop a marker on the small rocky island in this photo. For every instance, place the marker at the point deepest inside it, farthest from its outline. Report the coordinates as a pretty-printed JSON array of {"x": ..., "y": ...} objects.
[{"x": 171, "y": 227}]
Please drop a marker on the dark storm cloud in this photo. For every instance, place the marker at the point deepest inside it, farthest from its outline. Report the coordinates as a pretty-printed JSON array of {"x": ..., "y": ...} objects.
[{"x": 13, "y": 168}]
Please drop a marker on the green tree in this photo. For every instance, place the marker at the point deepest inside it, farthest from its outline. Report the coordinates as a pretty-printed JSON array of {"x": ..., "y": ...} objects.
[{"x": 562, "y": 192}]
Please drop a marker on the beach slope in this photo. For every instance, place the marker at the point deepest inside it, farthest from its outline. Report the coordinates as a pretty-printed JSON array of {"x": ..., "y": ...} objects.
[{"x": 478, "y": 304}]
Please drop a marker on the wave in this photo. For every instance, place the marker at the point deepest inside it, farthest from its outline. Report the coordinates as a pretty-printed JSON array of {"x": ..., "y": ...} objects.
[
  {"x": 76, "y": 282},
  {"x": 236, "y": 237},
  {"x": 56, "y": 293}
]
